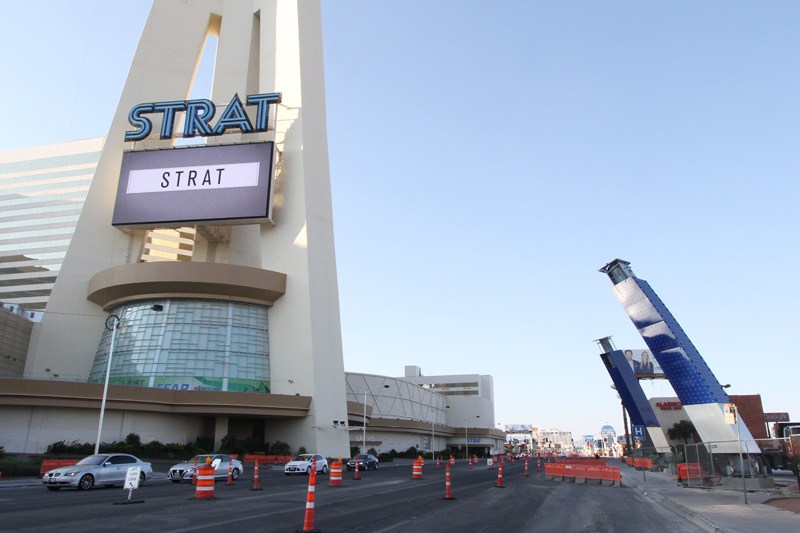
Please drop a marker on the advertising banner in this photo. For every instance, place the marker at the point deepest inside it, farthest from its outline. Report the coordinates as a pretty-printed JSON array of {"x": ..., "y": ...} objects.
[
  {"x": 220, "y": 185},
  {"x": 643, "y": 364}
]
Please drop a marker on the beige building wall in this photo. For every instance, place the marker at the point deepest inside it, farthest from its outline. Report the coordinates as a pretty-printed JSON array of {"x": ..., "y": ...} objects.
[{"x": 263, "y": 46}]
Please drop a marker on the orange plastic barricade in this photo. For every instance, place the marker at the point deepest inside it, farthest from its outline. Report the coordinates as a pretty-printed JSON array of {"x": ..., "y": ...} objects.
[
  {"x": 335, "y": 479},
  {"x": 416, "y": 471},
  {"x": 49, "y": 464},
  {"x": 606, "y": 475},
  {"x": 205, "y": 483}
]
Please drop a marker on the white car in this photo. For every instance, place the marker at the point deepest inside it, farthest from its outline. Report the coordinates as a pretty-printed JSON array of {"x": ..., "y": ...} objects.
[
  {"x": 302, "y": 464},
  {"x": 102, "y": 469},
  {"x": 186, "y": 471}
]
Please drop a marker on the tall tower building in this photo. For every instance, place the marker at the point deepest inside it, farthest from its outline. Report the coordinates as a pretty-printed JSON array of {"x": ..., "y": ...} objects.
[{"x": 243, "y": 301}]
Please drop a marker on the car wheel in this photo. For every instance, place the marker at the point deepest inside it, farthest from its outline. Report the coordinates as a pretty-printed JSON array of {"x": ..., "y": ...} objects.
[
  {"x": 86, "y": 482},
  {"x": 142, "y": 478},
  {"x": 375, "y": 466},
  {"x": 235, "y": 473},
  {"x": 324, "y": 469},
  {"x": 53, "y": 488},
  {"x": 308, "y": 470}
]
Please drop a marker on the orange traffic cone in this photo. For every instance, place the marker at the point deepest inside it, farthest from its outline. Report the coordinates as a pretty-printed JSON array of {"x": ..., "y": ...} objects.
[
  {"x": 194, "y": 472},
  {"x": 308, "y": 521},
  {"x": 255, "y": 477},
  {"x": 448, "y": 495},
  {"x": 526, "y": 467},
  {"x": 355, "y": 475},
  {"x": 500, "y": 476},
  {"x": 230, "y": 474}
]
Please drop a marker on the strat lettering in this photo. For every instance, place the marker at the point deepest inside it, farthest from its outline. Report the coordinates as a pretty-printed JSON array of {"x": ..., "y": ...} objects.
[
  {"x": 198, "y": 115},
  {"x": 190, "y": 178}
]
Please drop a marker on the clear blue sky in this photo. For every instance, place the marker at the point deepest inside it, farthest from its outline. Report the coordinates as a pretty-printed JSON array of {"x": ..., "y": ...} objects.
[{"x": 488, "y": 157}]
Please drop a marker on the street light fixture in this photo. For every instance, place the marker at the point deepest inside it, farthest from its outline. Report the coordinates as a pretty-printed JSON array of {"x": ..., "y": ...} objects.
[
  {"x": 364, "y": 428},
  {"x": 112, "y": 324},
  {"x": 466, "y": 435}
]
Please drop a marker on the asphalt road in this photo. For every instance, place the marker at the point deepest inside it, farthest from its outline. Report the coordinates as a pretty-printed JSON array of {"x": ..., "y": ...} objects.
[{"x": 387, "y": 500}]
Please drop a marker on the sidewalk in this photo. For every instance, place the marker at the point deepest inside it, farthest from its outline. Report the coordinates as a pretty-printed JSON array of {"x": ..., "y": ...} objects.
[{"x": 718, "y": 510}]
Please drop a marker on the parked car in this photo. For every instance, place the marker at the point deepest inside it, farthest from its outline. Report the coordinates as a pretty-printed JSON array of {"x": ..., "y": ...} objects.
[
  {"x": 185, "y": 471},
  {"x": 101, "y": 469},
  {"x": 302, "y": 464},
  {"x": 366, "y": 461}
]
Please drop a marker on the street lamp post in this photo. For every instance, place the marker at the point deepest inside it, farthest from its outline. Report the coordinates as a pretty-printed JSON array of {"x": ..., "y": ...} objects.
[
  {"x": 466, "y": 436},
  {"x": 364, "y": 428},
  {"x": 112, "y": 324}
]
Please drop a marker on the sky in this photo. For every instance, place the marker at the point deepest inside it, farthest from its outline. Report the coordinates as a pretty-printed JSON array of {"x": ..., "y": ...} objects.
[{"x": 487, "y": 158}]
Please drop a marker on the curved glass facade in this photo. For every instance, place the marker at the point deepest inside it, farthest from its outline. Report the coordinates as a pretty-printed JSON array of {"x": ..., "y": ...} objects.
[{"x": 189, "y": 345}]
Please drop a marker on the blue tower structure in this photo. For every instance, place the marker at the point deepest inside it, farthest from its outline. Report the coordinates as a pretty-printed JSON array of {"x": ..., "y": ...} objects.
[
  {"x": 701, "y": 395},
  {"x": 633, "y": 397}
]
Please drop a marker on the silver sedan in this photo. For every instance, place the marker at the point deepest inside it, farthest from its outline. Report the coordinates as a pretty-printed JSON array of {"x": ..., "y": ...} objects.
[
  {"x": 102, "y": 469},
  {"x": 186, "y": 471}
]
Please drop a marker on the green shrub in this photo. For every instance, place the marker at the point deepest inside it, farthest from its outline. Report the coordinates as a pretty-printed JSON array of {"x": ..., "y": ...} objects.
[{"x": 279, "y": 448}]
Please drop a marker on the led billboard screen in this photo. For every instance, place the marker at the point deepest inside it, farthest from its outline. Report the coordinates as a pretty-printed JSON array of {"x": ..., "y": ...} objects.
[
  {"x": 643, "y": 364},
  {"x": 224, "y": 185}
]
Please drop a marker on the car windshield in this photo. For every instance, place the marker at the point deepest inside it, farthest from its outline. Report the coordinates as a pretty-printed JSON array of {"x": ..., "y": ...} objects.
[
  {"x": 200, "y": 459},
  {"x": 362, "y": 457},
  {"x": 93, "y": 460},
  {"x": 303, "y": 458}
]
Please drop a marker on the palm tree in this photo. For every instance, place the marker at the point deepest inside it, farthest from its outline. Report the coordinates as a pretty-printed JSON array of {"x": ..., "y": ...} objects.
[{"x": 682, "y": 430}]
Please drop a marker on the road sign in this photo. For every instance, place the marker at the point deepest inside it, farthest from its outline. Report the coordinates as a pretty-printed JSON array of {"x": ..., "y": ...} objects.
[
  {"x": 132, "y": 479},
  {"x": 730, "y": 413},
  {"x": 638, "y": 432}
]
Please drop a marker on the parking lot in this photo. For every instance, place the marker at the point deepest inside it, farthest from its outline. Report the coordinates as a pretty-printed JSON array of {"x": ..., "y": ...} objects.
[{"x": 384, "y": 500}]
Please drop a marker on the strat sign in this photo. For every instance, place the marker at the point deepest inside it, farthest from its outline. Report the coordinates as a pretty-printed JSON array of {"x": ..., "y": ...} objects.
[
  {"x": 198, "y": 117},
  {"x": 219, "y": 184}
]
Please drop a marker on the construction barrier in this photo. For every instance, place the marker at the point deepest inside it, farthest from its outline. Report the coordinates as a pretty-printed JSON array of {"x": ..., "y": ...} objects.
[
  {"x": 255, "y": 477},
  {"x": 689, "y": 473},
  {"x": 308, "y": 520},
  {"x": 335, "y": 477},
  {"x": 448, "y": 494},
  {"x": 605, "y": 475},
  {"x": 267, "y": 459},
  {"x": 581, "y": 461},
  {"x": 205, "y": 482},
  {"x": 416, "y": 470},
  {"x": 49, "y": 464},
  {"x": 500, "y": 476},
  {"x": 641, "y": 463}
]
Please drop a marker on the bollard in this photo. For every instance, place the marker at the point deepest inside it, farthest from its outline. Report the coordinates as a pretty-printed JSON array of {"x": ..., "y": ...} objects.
[
  {"x": 335, "y": 477},
  {"x": 539, "y": 463},
  {"x": 526, "y": 467},
  {"x": 416, "y": 472},
  {"x": 500, "y": 476},
  {"x": 308, "y": 520},
  {"x": 205, "y": 482},
  {"x": 438, "y": 462},
  {"x": 469, "y": 460},
  {"x": 448, "y": 495},
  {"x": 194, "y": 472},
  {"x": 255, "y": 477}
]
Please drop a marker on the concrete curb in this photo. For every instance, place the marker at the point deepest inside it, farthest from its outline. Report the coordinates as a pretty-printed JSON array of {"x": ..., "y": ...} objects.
[{"x": 684, "y": 512}]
